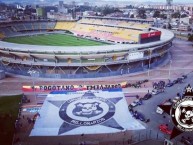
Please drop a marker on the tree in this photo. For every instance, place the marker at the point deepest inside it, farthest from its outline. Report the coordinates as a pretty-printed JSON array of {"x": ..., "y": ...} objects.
[
  {"x": 156, "y": 14},
  {"x": 117, "y": 10},
  {"x": 14, "y": 18},
  {"x": 108, "y": 10},
  {"x": 184, "y": 15},
  {"x": 82, "y": 8},
  {"x": 97, "y": 9},
  {"x": 130, "y": 7},
  {"x": 169, "y": 26},
  {"x": 132, "y": 16},
  {"x": 176, "y": 15},
  {"x": 163, "y": 16},
  {"x": 190, "y": 38},
  {"x": 141, "y": 13}
]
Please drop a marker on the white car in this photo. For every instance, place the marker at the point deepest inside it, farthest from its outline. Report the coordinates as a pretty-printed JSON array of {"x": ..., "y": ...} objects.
[
  {"x": 136, "y": 102},
  {"x": 159, "y": 110},
  {"x": 155, "y": 92},
  {"x": 175, "y": 99},
  {"x": 133, "y": 104}
]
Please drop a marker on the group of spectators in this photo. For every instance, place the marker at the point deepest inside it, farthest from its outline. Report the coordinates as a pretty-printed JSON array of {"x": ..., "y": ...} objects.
[
  {"x": 159, "y": 86},
  {"x": 138, "y": 84}
]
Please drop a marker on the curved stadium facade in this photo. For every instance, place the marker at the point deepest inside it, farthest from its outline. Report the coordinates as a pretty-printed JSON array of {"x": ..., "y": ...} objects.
[{"x": 135, "y": 46}]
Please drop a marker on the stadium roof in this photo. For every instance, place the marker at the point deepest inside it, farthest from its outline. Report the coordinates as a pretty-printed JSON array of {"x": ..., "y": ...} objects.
[{"x": 115, "y": 18}]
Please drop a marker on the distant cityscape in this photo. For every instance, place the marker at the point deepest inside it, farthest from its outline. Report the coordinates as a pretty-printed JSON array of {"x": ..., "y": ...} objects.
[
  {"x": 165, "y": 14},
  {"x": 96, "y": 72},
  {"x": 101, "y": 2}
]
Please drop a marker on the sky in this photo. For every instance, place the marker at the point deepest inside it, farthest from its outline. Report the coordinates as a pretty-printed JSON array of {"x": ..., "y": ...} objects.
[
  {"x": 164, "y": 1},
  {"x": 174, "y": 1}
]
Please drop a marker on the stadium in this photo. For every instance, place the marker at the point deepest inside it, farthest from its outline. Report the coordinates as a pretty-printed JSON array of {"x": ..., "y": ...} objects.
[{"x": 90, "y": 47}]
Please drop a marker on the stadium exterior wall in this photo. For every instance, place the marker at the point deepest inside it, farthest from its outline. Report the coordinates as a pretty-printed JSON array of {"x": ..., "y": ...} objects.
[
  {"x": 2, "y": 74},
  {"x": 137, "y": 69}
]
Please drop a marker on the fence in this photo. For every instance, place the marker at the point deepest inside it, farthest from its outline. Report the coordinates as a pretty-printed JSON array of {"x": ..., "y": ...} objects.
[{"x": 122, "y": 138}]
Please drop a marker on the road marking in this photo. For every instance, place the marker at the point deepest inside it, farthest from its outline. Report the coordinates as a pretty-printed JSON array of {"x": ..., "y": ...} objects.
[
  {"x": 174, "y": 68},
  {"x": 181, "y": 55},
  {"x": 177, "y": 60}
]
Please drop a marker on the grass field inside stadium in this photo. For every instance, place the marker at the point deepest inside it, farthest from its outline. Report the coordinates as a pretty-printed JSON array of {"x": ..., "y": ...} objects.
[
  {"x": 53, "y": 40},
  {"x": 9, "y": 108}
]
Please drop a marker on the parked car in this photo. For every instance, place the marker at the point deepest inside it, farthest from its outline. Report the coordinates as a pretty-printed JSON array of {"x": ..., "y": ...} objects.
[
  {"x": 176, "y": 99},
  {"x": 133, "y": 104},
  {"x": 138, "y": 101},
  {"x": 155, "y": 92},
  {"x": 169, "y": 84},
  {"x": 130, "y": 107},
  {"x": 175, "y": 81},
  {"x": 184, "y": 76},
  {"x": 132, "y": 112},
  {"x": 145, "y": 81},
  {"x": 147, "y": 96},
  {"x": 139, "y": 116},
  {"x": 180, "y": 80},
  {"x": 164, "y": 128},
  {"x": 166, "y": 102},
  {"x": 179, "y": 95}
]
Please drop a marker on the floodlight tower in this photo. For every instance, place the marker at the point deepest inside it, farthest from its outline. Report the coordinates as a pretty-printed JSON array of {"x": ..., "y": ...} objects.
[{"x": 169, "y": 4}]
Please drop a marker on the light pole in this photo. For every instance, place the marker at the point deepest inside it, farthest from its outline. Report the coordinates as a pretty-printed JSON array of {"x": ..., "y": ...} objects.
[
  {"x": 149, "y": 65},
  {"x": 170, "y": 68},
  {"x": 34, "y": 89},
  {"x": 121, "y": 71}
]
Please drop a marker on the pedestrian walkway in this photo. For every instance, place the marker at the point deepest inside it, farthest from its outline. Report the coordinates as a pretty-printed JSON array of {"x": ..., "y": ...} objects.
[
  {"x": 150, "y": 142},
  {"x": 136, "y": 90}
]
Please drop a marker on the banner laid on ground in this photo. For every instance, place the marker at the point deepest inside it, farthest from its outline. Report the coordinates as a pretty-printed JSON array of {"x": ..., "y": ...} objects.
[
  {"x": 49, "y": 88},
  {"x": 84, "y": 112}
]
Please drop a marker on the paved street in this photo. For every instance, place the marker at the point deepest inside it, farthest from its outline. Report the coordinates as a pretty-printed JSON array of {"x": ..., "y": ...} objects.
[{"x": 149, "y": 106}]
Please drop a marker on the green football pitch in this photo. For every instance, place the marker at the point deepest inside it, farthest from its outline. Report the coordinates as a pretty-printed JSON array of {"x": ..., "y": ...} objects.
[{"x": 53, "y": 40}]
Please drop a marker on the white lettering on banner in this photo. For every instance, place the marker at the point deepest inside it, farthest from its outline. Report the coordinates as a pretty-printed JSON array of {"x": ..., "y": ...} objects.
[{"x": 88, "y": 123}]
